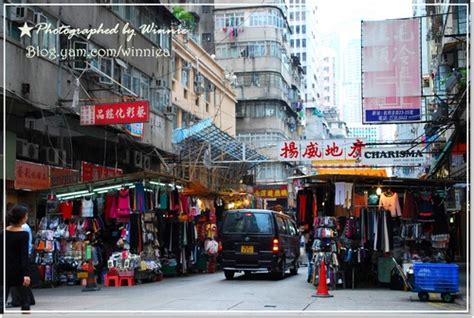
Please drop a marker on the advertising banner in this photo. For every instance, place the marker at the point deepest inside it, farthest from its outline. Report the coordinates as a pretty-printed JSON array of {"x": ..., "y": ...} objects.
[
  {"x": 63, "y": 176},
  {"x": 391, "y": 71},
  {"x": 115, "y": 113},
  {"x": 93, "y": 172},
  {"x": 31, "y": 176}
]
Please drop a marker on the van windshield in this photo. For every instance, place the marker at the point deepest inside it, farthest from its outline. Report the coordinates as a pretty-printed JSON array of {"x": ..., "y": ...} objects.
[{"x": 248, "y": 222}]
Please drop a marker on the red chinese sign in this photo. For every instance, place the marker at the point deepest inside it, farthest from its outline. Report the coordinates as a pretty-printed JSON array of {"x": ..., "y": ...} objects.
[
  {"x": 271, "y": 192},
  {"x": 116, "y": 113},
  {"x": 321, "y": 150},
  {"x": 62, "y": 176},
  {"x": 93, "y": 172},
  {"x": 31, "y": 176}
]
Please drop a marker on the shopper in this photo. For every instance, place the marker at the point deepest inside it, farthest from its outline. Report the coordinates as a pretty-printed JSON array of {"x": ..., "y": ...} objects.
[
  {"x": 16, "y": 302},
  {"x": 16, "y": 258},
  {"x": 309, "y": 253}
]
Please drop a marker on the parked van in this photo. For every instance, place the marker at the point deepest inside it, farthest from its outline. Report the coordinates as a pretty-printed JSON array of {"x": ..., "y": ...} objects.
[{"x": 259, "y": 241}]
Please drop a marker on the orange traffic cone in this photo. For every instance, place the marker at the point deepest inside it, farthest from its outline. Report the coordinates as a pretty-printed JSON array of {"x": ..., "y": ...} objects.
[{"x": 322, "y": 286}]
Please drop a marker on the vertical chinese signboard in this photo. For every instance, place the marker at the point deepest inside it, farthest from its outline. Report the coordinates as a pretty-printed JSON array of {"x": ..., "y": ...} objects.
[
  {"x": 31, "y": 176},
  {"x": 93, "y": 172},
  {"x": 116, "y": 113},
  {"x": 391, "y": 71}
]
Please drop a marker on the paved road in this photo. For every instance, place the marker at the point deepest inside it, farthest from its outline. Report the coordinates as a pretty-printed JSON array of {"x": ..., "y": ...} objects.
[{"x": 208, "y": 292}]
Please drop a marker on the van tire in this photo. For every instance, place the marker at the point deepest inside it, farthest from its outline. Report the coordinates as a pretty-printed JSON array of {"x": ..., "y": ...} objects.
[
  {"x": 294, "y": 269},
  {"x": 229, "y": 275},
  {"x": 280, "y": 273}
]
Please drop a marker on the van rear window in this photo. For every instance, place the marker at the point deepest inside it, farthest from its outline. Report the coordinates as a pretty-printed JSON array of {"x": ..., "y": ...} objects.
[{"x": 248, "y": 222}]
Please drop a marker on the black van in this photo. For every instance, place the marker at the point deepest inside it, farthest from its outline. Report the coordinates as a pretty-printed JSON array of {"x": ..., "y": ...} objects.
[{"x": 259, "y": 241}]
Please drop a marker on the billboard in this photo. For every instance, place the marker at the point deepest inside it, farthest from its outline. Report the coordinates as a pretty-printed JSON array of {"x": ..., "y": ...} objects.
[
  {"x": 391, "y": 71},
  {"x": 116, "y": 113}
]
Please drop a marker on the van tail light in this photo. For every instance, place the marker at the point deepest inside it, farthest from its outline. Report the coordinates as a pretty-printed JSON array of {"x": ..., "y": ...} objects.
[
  {"x": 219, "y": 248},
  {"x": 276, "y": 246}
]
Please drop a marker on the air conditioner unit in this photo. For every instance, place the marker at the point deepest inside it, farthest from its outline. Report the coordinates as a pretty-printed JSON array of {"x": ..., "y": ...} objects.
[
  {"x": 22, "y": 14},
  {"x": 54, "y": 156},
  {"x": 26, "y": 149},
  {"x": 146, "y": 162},
  {"x": 138, "y": 159},
  {"x": 170, "y": 110},
  {"x": 40, "y": 18},
  {"x": 186, "y": 66}
]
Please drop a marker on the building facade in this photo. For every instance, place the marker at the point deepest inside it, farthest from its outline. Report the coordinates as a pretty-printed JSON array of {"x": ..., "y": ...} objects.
[
  {"x": 45, "y": 92},
  {"x": 252, "y": 45}
]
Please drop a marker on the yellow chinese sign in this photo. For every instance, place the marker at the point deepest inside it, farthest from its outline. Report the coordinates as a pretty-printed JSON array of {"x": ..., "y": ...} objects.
[{"x": 271, "y": 192}]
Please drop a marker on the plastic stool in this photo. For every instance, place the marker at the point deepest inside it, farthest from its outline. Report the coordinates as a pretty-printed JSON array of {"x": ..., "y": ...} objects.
[
  {"x": 109, "y": 279},
  {"x": 127, "y": 279}
]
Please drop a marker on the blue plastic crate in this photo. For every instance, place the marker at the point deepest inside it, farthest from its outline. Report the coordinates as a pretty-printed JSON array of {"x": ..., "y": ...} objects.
[{"x": 436, "y": 277}]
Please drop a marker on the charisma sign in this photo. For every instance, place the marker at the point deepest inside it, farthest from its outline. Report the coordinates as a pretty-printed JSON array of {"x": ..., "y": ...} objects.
[{"x": 116, "y": 113}]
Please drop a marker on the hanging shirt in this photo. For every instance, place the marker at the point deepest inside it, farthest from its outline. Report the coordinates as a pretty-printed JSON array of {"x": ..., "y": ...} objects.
[
  {"x": 409, "y": 206},
  {"x": 360, "y": 202},
  {"x": 87, "y": 208},
  {"x": 390, "y": 203},
  {"x": 123, "y": 205},
  {"x": 65, "y": 208},
  {"x": 340, "y": 193},
  {"x": 348, "y": 195},
  {"x": 373, "y": 199}
]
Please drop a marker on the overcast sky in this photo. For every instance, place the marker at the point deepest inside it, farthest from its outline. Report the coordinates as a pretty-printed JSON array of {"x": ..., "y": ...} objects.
[{"x": 343, "y": 17}]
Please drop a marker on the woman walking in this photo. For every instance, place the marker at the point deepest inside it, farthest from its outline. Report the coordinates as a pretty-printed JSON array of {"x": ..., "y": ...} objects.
[{"x": 17, "y": 261}]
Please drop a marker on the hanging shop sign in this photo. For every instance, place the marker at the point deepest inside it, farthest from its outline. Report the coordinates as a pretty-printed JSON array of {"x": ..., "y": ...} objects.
[
  {"x": 63, "y": 176},
  {"x": 135, "y": 130},
  {"x": 31, "y": 176},
  {"x": 274, "y": 192},
  {"x": 391, "y": 71},
  {"x": 322, "y": 151},
  {"x": 93, "y": 172},
  {"x": 115, "y": 113},
  {"x": 393, "y": 156}
]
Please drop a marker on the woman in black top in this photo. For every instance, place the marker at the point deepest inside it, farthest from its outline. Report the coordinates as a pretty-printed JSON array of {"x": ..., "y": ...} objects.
[{"x": 17, "y": 262}]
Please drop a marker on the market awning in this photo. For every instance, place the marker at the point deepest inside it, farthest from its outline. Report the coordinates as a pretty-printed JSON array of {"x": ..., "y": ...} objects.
[{"x": 205, "y": 133}]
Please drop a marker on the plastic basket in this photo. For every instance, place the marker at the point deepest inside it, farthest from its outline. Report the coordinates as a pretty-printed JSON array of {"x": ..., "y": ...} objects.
[{"x": 436, "y": 277}]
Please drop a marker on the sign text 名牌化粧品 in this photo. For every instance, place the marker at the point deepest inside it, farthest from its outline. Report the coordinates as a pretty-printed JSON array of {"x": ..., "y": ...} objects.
[{"x": 116, "y": 113}]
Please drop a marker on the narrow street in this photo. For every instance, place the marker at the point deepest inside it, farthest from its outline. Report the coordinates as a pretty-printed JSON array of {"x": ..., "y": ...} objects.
[{"x": 211, "y": 292}]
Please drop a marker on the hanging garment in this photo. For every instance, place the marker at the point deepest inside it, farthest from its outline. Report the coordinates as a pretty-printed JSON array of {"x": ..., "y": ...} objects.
[
  {"x": 164, "y": 199},
  {"x": 315, "y": 208},
  {"x": 140, "y": 197},
  {"x": 184, "y": 202},
  {"x": 390, "y": 203},
  {"x": 348, "y": 195},
  {"x": 123, "y": 203},
  {"x": 441, "y": 225},
  {"x": 52, "y": 204},
  {"x": 409, "y": 206},
  {"x": 110, "y": 206},
  {"x": 76, "y": 207},
  {"x": 302, "y": 198},
  {"x": 425, "y": 207},
  {"x": 65, "y": 208},
  {"x": 87, "y": 208},
  {"x": 340, "y": 193},
  {"x": 360, "y": 202},
  {"x": 100, "y": 205}
]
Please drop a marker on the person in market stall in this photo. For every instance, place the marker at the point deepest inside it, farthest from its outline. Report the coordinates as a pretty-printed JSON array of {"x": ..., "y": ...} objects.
[
  {"x": 309, "y": 239},
  {"x": 16, "y": 256}
]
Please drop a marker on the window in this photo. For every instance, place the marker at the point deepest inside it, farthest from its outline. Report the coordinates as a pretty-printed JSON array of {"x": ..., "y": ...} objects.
[
  {"x": 297, "y": 16},
  {"x": 282, "y": 227},
  {"x": 248, "y": 222},
  {"x": 127, "y": 79},
  {"x": 292, "y": 16},
  {"x": 229, "y": 19},
  {"x": 303, "y": 15},
  {"x": 291, "y": 227},
  {"x": 292, "y": 43},
  {"x": 304, "y": 69},
  {"x": 206, "y": 37},
  {"x": 196, "y": 102},
  {"x": 298, "y": 43},
  {"x": 297, "y": 29},
  {"x": 206, "y": 9},
  {"x": 106, "y": 66},
  {"x": 304, "y": 57},
  {"x": 303, "y": 43},
  {"x": 303, "y": 29},
  {"x": 185, "y": 76},
  {"x": 326, "y": 79}
]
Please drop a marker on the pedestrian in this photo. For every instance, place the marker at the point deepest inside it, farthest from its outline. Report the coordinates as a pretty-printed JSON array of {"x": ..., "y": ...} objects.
[
  {"x": 16, "y": 302},
  {"x": 16, "y": 256},
  {"x": 309, "y": 252}
]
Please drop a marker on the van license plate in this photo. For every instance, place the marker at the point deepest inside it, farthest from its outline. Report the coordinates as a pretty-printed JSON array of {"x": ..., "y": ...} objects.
[{"x": 246, "y": 249}]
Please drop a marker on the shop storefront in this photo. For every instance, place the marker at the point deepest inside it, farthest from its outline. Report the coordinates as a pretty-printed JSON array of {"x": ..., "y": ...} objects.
[{"x": 363, "y": 226}]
